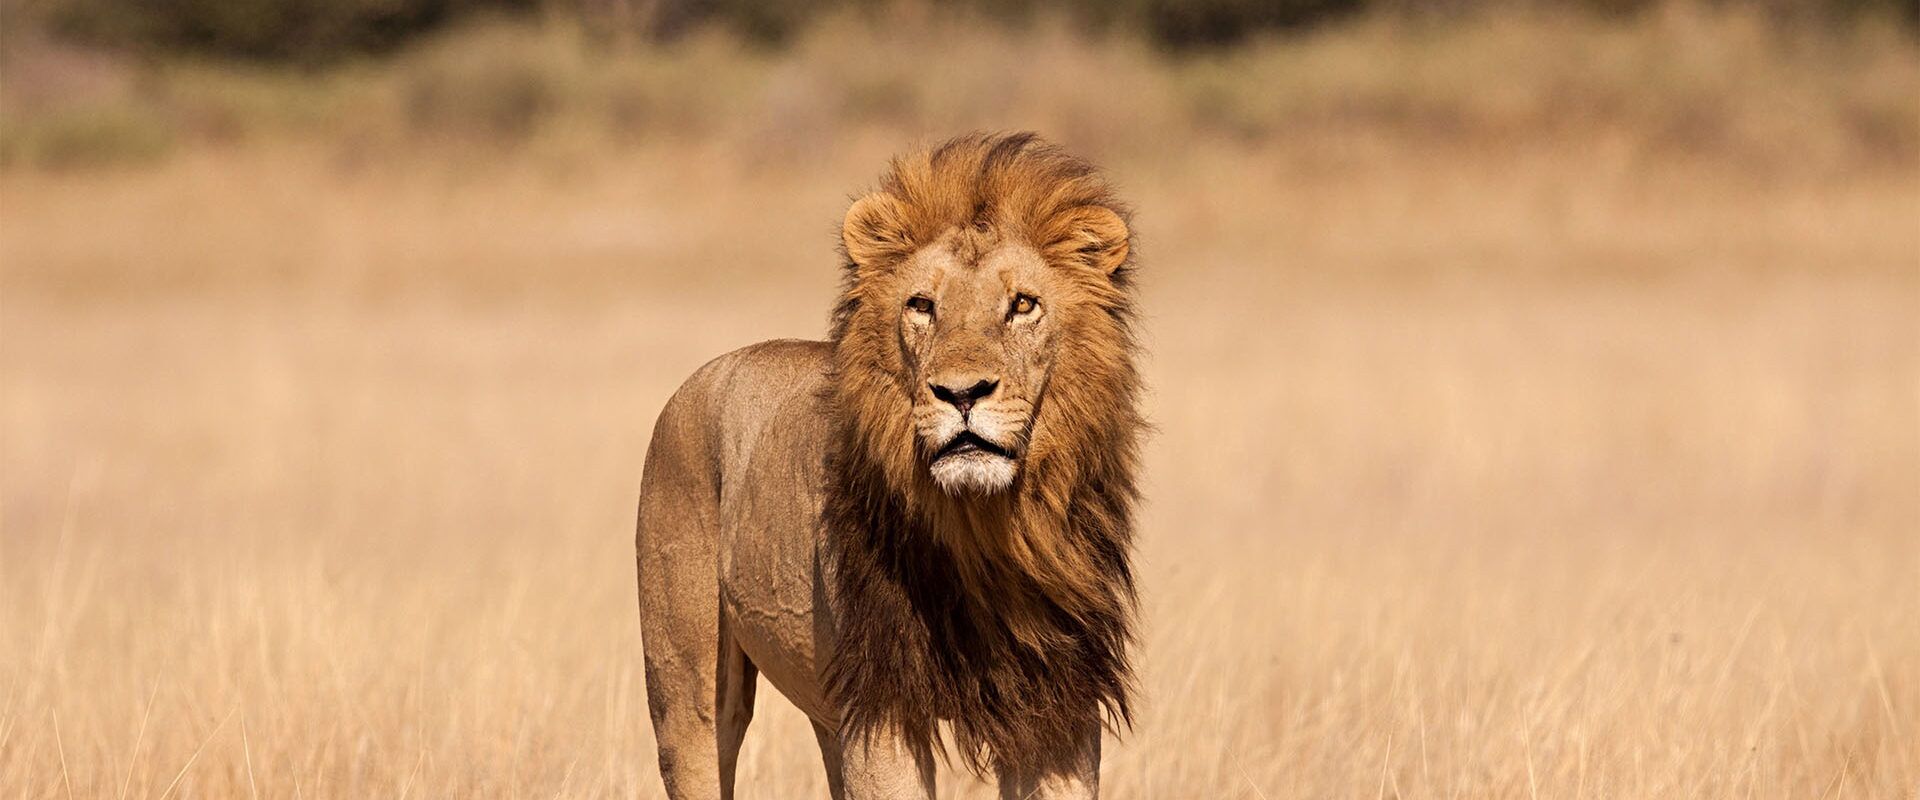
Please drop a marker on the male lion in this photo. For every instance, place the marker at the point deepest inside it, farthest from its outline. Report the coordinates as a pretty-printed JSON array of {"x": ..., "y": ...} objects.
[{"x": 926, "y": 518}]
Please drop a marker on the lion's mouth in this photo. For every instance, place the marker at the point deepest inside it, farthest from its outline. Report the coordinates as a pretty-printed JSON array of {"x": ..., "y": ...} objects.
[{"x": 970, "y": 443}]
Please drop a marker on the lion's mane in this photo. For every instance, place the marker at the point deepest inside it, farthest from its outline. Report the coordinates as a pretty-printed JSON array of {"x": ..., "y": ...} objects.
[{"x": 1011, "y": 617}]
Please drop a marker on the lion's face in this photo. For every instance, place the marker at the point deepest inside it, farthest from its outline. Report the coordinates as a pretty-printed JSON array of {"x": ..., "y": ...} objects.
[
  {"x": 981, "y": 341},
  {"x": 977, "y": 343}
]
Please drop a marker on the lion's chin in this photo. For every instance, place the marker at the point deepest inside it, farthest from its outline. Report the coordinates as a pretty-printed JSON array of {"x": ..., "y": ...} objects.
[{"x": 974, "y": 473}]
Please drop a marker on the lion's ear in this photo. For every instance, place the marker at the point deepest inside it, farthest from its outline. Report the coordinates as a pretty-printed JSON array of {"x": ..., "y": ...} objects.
[
  {"x": 876, "y": 229},
  {"x": 1092, "y": 235}
]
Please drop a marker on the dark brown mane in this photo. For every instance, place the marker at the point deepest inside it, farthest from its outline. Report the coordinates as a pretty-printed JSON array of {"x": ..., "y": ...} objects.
[{"x": 1010, "y": 619}]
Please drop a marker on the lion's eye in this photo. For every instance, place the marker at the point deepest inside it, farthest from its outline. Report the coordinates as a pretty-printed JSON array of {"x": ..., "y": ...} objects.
[
  {"x": 920, "y": 304},
  {"x": 1022, "y": 305}
]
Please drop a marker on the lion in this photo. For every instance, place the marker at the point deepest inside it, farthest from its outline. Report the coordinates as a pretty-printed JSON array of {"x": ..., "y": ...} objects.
[{"x": 926, "y": 519}]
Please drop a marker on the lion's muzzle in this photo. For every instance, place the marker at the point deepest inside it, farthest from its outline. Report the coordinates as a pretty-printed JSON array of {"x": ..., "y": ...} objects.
[{"x": 973, "y": 451}]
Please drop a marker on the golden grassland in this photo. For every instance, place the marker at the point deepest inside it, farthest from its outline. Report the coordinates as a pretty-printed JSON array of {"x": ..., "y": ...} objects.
[
  {"x": 1539, "y": 475},
  {"x": 1531, "y": 460}
]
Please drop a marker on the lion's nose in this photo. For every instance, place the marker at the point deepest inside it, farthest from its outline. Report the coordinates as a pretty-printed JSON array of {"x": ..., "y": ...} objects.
[{"x": 962, "y": 393}]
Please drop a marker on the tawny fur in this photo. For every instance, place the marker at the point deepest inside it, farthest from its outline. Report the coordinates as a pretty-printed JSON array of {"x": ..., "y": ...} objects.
[{"x": 791, "y": 525}]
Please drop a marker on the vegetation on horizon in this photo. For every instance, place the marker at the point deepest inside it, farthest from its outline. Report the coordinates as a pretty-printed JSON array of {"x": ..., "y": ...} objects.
[
  {"x": 316, "y": 31},
  {"x": 1678, "y": 78}
]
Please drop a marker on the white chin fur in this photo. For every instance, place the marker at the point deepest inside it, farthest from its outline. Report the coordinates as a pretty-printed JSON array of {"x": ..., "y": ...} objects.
[{"x": 973, "y": 473}]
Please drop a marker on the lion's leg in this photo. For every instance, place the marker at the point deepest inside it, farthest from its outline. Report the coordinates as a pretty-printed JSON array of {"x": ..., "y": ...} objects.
[
  {"x": 681, "y": 690},
  {"x": 1075, "y": 777},
  {"x": 830, "y": 755},
  {"x": 738, "y": 679},
  {"x": 881, "y": 767},
  {"x": 680, "y": 631},
  {"x": 680, "y": 622},
  {"x": 701, "y": 705}
]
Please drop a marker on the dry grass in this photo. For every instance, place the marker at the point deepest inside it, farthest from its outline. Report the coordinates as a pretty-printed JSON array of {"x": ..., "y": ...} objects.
[{"x": 1556, "y": 472}]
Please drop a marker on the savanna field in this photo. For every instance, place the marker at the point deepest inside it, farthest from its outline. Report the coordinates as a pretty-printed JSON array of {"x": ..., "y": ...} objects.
[{"x": 1520, "y": 432}]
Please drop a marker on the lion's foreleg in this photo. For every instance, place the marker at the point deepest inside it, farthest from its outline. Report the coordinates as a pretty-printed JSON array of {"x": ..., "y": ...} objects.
[
  {"x": 879, "y": 766},
  {"x": 1076, "y": 776}
]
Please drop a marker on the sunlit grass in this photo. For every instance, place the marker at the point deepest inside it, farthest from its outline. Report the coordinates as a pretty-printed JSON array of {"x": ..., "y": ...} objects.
[{"x": 1552, "y": 472}]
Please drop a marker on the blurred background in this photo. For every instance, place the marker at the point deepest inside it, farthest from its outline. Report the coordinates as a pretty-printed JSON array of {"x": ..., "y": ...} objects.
[{"x": 1537, "y": 384}]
